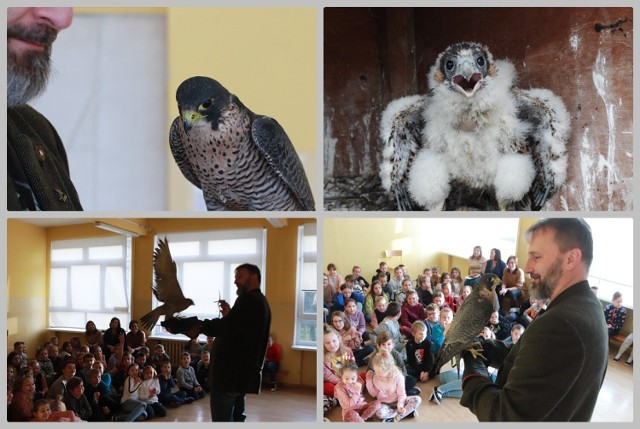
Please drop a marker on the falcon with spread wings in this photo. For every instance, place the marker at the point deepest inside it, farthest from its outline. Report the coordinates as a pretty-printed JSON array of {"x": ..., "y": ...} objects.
[{"x": 166, "y": 288}]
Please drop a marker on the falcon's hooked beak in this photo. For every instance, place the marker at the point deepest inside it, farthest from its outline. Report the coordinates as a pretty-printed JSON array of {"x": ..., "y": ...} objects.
[
  {"x": 496, "y": 282},
  {"x": 469, "y": 79},
  {"x": 189, "y": 119}
]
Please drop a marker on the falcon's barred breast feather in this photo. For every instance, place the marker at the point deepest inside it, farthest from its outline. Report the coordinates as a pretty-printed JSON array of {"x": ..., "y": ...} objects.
[
  {"x": 475, "y": 140},
  {"x": 471, "y": 317},
  {"x": 240, "y": 160},
  {"x": 166, "y": 289}
]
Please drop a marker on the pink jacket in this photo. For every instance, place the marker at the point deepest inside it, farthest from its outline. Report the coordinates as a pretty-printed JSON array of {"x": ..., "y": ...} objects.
[
  {"x": 355, "y": 343},
  {"x": 387, "y": 392},
  {"x": 349, "y": 397}
]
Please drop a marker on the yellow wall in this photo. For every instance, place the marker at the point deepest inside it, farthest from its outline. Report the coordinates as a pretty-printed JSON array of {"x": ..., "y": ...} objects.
[
  {"x": 28, "y": 267},
  {"x": 349, "y": 242},
  {"x": 266, "y": 56},
  {"x": 26, "y": 285}
]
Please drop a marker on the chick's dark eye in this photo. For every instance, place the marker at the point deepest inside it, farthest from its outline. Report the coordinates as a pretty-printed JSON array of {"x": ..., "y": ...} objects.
[
  {"x": 449, "y": 65},
  {"x": 480, "y": 61}
]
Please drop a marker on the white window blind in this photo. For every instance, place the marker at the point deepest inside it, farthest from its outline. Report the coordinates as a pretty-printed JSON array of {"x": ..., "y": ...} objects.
[
  {"x": 90, "y": 279},
  {"x": 206, "y": 261}
]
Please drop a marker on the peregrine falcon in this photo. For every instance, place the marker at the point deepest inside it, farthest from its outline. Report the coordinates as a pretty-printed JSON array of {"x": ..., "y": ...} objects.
[
  {"x": 471, "y": 317},
  {"x": 475, "y": 141},
  {"x": 167, "y": 289},
  {"x": 240, "y": 160}
]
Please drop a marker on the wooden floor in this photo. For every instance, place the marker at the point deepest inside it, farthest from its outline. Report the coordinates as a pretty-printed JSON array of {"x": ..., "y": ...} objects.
[
  {"x": 287, "y": 404},
  {"x": 615, "y": 402}
]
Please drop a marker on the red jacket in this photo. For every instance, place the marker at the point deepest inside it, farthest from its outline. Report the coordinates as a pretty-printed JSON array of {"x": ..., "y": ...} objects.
[{"x": 274, "y": 353}]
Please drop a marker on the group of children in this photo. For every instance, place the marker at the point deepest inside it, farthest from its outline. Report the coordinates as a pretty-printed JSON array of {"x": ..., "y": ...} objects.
[
  {"x": 407, "y": 325},
  {"x": 77, "y": 382},
  {"x": 82, "y": 386}
]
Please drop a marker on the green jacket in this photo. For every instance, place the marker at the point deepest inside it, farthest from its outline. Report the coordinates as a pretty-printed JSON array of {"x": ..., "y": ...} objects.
[
  {"x": 556, "y": 369},
  {"x": 37, "y": 168}
]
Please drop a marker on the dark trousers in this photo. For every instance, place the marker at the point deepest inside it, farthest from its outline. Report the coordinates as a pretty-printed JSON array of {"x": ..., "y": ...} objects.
[
  {"x": 272, "y": 369},
  {"x": 227, "y": 407}
]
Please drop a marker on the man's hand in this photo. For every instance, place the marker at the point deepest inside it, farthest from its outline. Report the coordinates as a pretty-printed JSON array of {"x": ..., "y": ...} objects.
[
  {"x": 473, "y": 367},
  {"x": 493, "y": 354},
  {"x": 224, "y": 307},
  {"x": 495, "y": 351},
  {"x": 189, "y": 326}
]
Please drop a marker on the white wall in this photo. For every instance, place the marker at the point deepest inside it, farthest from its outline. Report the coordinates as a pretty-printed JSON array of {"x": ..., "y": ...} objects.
[{"x": 107, "y": 100}]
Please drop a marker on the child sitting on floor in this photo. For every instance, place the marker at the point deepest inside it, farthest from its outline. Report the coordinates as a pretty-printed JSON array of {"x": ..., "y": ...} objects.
[
  {"x": 349, "y": 392},
  {"x": 336, "y": 355},
  {"x": 419, "y": 357},
  {"x": 386, "y": 384}
]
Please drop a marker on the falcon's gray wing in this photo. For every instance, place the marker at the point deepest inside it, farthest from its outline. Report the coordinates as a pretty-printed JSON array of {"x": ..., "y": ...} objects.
[
  {"x": 550, "y": 128},
  {"x": 471, "y": 317},
  {"x": 275, "y": 145},
  {"x": 401, "y": 129},
  {"x": 179, "y": 154},
  {"x": 167, "y": 288}
]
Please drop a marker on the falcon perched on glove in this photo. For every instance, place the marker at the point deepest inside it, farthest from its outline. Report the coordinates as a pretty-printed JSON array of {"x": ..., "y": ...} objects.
[
  {"x": 240, "y": 160},
  {"x": 471, "y": 317},
  {"x": 475, "y": 141}
]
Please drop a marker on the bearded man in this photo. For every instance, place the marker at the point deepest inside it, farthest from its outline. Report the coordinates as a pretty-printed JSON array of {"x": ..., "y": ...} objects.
[
  {"x": 239, "y": 348},
  {"x": 556, "y": 369},
  {"x": 37, "y": 167}
]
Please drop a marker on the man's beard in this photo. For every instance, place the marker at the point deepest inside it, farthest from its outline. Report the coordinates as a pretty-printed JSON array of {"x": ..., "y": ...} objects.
[
  {"x": 28, "y": 71},
  {"x": 543, "y": 288}
]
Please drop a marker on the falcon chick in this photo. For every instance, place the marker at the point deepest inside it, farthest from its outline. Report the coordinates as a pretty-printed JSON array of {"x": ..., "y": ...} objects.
[
  {"x": 471, "y": 317},
  {"x": 475, "y": 141},
  {"x": 166, "y": 288},
  {"x": 240, "y": 160}
]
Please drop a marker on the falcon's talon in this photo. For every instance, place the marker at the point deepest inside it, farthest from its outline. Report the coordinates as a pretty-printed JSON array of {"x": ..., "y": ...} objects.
[{"x": 476, "y": 350}]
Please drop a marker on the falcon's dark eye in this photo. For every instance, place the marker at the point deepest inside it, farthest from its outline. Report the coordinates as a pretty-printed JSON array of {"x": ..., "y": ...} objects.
[
  {"x": 480, "y": 61},
  {"x": 449, "y": 65},
  {"x": 206, "y": 104}
]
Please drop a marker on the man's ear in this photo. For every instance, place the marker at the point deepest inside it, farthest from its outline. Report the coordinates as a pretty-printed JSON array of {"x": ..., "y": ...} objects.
[{"x": 573, "y": 258}]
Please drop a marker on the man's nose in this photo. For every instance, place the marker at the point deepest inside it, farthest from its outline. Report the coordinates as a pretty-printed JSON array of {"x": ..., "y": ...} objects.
[
  {"x": 528, "y": 268},
  {"x": 56, "y": 17}
]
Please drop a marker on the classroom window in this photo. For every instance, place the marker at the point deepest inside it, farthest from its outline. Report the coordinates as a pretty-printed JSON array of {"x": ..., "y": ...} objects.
[
  {"x": 206, "y": 262},
  {"x": 307, "y": 287},
  {"x": 612, "y": 267},
  {"x": 89, "y": 279}
]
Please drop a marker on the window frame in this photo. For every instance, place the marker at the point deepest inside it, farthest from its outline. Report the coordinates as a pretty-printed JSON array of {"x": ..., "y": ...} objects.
[
  {"x": 305, "y": 256},
  {"x": 102, "y": 314},
  {"x": 229, "y": 261}
]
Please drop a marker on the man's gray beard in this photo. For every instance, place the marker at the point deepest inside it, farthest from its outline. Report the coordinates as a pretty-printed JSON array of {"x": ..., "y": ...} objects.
[
  {"x": 545, "y": 286},
  {"x": 27, "y": 76}
]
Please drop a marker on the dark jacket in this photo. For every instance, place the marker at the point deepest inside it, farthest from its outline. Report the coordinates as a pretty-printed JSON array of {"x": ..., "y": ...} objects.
[
  {"x": 240, "y": 344},
  {"x": 80, "y": 405},
  {"x": 37, "y": 168},
  {"x": 556, "y": 369}
]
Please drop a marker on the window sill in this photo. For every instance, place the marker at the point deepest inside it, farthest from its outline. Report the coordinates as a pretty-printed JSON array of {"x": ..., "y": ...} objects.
[{"x": 304, "y": 348}]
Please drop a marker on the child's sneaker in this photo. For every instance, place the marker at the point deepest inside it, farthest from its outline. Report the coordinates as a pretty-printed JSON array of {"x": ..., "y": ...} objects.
[{"x": 329, "y": 402}]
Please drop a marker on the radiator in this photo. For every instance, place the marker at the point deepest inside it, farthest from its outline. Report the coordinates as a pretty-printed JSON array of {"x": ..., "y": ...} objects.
[{"x": 174, "y": 349}]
